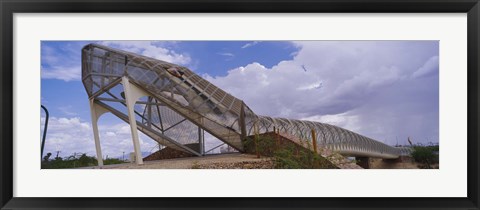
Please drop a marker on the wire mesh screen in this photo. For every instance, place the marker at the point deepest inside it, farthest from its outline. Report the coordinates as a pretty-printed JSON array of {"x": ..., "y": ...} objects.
[{"x": 180, "y": 101}]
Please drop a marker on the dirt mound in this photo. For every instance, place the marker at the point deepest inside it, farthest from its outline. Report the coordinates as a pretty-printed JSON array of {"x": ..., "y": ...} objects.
[
  {"x": 280, "y": 140},
  {"x": 167, "y": 153}
]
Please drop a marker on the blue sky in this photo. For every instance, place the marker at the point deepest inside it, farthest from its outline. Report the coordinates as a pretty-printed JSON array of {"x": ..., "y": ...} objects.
[{"x": 386, "y": 90}]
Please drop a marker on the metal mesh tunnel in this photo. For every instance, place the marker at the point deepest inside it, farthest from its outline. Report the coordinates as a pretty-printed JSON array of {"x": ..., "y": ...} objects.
[{"x": 171, "y": 104}]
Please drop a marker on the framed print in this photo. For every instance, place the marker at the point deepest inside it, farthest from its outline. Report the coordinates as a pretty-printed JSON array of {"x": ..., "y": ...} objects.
[{"x": 239, "y": 105}]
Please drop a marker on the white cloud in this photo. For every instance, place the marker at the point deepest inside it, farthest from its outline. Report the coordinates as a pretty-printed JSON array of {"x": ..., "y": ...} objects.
[
  {"x": 67, "y": 110},
  {"x": 110, "y": 133},
  {"x": 74, "y": 135},
  {"x": 315, "y": 85},
  {"x": 64, "y": 63},
  {"x": 150, "y": 49},
  {"x": 49, "y": 54},
  {"x": 250, "y": 44},
  {"x": 430, "y": 67},
  {"x": 64, "y": 73},
  {"x": 284, "y": 89},
  {"x": 342, "y": 77},
  {"x": 229, "y": 56}
]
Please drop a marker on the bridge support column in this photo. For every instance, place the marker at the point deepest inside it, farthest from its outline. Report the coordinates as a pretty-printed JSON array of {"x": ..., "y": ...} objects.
[
  {"x": 132, "y": 94},
  {"x": 363, "y": 162},
  {"x": 96, "y": 111},
  {"x": 201, "y": 141}
]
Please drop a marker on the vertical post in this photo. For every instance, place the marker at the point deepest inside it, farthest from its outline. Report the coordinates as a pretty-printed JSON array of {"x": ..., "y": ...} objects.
[
  {"x": 275, "y": 137},
  {"x": 278, "y": 136},
  {"x": 314, "y": 141},
  {"x": 241, "y": 122},
  {"x": 149, "y": 111},
  {"x": 255, "y": 128},
  {"x": 96, "y": 111},
  {"x": 201, "y": 141},
  {"x": 132, "y": 93}
]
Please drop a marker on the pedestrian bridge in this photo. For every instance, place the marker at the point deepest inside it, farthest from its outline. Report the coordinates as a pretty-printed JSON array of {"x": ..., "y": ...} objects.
[{"x": 174, "y": 106}]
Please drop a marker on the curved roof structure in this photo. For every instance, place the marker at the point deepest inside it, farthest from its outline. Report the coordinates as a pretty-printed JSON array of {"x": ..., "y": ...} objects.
[{"x": 179, "y": 103}]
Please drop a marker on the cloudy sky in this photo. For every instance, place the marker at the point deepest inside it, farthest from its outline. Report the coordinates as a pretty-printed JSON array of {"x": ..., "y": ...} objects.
[{"x": 386, "y": 90}]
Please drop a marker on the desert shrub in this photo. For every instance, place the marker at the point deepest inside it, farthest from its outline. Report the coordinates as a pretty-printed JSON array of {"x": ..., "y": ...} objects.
[
  {"x": 111, "y": 161},
  {"x": 74, "y": 161},
  {"x": 285, "y": 158},
  {"x": 264, "y": 145},
  {"x": 289, "y": 158},
  {"x": 286, "y": 155},
  {"x": 425, "y": 155}
]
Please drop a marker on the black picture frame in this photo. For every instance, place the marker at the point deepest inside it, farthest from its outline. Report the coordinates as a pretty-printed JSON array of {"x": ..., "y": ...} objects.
[{"x": 10, "y": 7}]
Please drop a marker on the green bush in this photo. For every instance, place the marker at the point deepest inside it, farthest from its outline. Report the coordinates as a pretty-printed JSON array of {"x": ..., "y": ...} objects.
[
  {"x": 74, "y": 162},
  {"x": 285, "y": 158},
  {"x": 112, "y": 161},
  {"x": 426, "y": 155},
  {"x": 286, "y": 155},
  {"x": 265, "y": 145},
  {"x": 291, "y": 158}
]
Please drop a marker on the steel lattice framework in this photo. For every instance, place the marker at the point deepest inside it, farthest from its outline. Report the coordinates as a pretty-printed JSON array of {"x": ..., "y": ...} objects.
[{"x": 173, "y": 105}]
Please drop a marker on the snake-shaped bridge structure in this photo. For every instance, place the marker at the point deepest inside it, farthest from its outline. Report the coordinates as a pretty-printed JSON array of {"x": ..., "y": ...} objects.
[{"x": 173, "y": 105}]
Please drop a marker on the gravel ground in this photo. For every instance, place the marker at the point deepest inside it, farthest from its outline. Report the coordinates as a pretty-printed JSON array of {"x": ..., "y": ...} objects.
[
  {"x": 266, "y": 164},
  {"x": 376, "y": 163},
  {"x": 229, "y": 161},
  {"x": 235, "y": 160}
]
